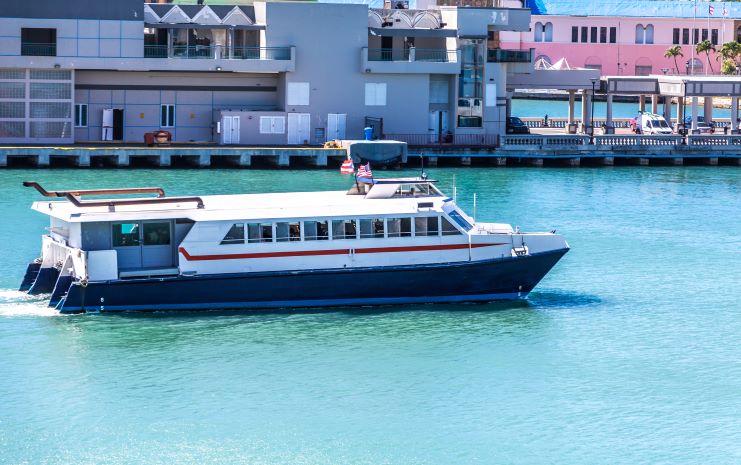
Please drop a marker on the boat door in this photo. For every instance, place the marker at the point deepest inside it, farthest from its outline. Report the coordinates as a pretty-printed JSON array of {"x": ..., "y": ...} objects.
[
  {"x": 157, "y": 244},
  {"x": 230, "y": 129},
  {"x": 299, "y": 126},
  {"x": 143, "y": 244}
]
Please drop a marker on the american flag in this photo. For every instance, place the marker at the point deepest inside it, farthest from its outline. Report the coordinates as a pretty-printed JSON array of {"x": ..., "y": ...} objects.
[
  {"x": 711, "y": 10},
  {"x": 347, "y": 166},
  {"x": 365, "y": 171}
]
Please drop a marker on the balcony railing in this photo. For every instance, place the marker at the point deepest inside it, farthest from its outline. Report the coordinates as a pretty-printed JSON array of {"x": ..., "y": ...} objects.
[
  {"x": 508, "y": 56},
  {"x": 215, "y": 52},
  {"x": 433, "y": 55},
  {"x": 39, "y": 50}
]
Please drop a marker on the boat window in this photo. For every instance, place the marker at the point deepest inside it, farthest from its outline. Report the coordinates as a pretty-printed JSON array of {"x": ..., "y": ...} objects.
[
  {"x": 316, "y": 230},
  {"x": 259, "y": 232},
  {"x": 343, "y": 229},
  {"x": 371, "y": 228},
  {"x": 460, "y": 220},
  {"x": 285, "y": 231},
  {"x": 235, "y": 234},
  {"x": 125, "y": 234},
  {"x": 399, "y": 227},
  {"x": 156, "y": 233},
  {"x": 448, "y": 228},
  {"x": 426, "y": 226}
]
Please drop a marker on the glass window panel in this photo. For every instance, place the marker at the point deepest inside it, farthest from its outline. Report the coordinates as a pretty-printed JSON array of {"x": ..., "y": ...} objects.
[
  {"x": 51, "y": 129},
  {"x": 12, "y": 109},
  {"x": 50, "y": 110},
  {"x": 13, "y": 90},
  {"x": 399, "y": 227},
  {"x": 125, "y": 234},
  {"x": 50, "y": 90},
  {"x": 448, "y": 228},
  {"x": 259, "y": 232},
  {"x": 462, "y": 222},
  {"x": 426, "y": 226},
  {"x": 344, "y": 229},
  {"x": 235, "y": 235},
  {"x": 156, "y": 233},
  {"x": 13, "y": 128},
  {"x": 281, "y": 232}
]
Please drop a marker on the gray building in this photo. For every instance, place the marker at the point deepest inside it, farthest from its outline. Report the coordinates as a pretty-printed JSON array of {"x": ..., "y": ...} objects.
[{"x": 272, "y": 73}]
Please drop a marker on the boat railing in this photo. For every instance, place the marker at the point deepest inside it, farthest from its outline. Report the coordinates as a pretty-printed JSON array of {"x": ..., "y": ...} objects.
[{"x": 74, "y": 196}]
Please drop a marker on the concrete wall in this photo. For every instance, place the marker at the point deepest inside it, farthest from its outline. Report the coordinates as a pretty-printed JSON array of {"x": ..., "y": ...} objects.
[
  {"x": 620, "y": 58},
  {"x": 196, "y": 97},
  {"x": 83, "y": 9},
  {"x": 330, "y": 63}
]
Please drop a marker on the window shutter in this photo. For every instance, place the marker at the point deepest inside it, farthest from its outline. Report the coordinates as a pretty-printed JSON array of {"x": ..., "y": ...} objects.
[
  {"x": 370, "y": 93},
  {"x": 491, "y": 95},
  {"x": 297, "y": 93},
  {"x": 279, "y": 125},
  {"x": 266, "y": 125},
  {"x": 381, "y": 94}
]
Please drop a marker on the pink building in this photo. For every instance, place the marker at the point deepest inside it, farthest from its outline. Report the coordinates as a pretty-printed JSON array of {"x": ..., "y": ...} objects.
[{"x": 621, "y": 37}]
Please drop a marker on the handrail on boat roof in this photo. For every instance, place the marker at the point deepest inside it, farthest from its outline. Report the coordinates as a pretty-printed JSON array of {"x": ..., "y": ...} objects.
[
  {"x": 125, "y": 190},
  {"x": 74, "y": 196}
]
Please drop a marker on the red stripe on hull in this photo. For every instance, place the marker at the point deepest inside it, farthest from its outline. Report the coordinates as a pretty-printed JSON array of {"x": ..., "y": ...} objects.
[{"x": 306, "y": 253}]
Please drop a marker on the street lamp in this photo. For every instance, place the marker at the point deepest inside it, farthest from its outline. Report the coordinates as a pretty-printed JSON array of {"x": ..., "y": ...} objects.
[{"x": 591, "y": 119}]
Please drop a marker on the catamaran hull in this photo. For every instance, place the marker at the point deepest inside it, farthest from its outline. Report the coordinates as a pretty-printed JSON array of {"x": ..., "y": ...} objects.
[{"x": 507, "y": 278}]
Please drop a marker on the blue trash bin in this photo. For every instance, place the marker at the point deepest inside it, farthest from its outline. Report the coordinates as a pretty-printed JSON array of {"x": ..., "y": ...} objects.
[{"x": 368, "y": 133}]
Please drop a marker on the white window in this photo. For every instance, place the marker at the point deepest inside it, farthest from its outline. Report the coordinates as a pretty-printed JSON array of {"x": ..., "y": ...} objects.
[
  {"x": 297, "y": 93},
  {"x": 375, "y": 94},
  {"x": 167, "y": 116},
  {"x": 640, "y": 34},
  {"x": 81, "y": 115},
  {"x": 490, "y": 95},
  {"x": 272, "y": 124}
]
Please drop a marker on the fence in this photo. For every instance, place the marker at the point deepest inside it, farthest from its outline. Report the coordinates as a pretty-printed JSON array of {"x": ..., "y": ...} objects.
[
  {"x": 473, "y": 140},
  {"x": 539, "y": 140},
  {"x": 712, "y": 140},
  {"x": 412, "y": 54},
  {"x": 638, "y": 140}
]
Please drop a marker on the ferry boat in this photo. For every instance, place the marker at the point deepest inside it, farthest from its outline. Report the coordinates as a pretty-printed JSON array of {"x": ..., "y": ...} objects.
[{"x": 384, "y": 241}]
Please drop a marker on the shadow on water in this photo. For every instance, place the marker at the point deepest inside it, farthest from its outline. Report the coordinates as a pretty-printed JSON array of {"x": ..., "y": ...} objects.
[{"x": 553, "y": 299}]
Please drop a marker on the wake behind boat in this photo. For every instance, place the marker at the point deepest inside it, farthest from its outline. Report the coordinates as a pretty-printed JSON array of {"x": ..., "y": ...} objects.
[{"x": 384, "y": 241}]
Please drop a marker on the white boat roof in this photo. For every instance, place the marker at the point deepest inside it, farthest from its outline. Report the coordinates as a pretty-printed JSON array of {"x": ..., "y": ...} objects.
[{"x": 302, "y": 205}]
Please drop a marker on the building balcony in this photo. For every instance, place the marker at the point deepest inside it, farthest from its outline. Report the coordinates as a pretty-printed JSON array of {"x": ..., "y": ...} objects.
[
  {"x": 205, "y": 58},
  {"x": 509, "y": 56},
  {"x": 410, "y": 60}
]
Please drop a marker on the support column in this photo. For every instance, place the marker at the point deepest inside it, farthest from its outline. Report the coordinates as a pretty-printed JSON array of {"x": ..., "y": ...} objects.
[
  {"x": 694, "y": 113},
  {"x": 734, "y": 114},
  {"x": 641, "y": 103},
  {"x": 654, "y": 104},
  {"x": 570, "y": 122},
  {"x": 584, "y": 110},
  {"x": 668, "y": 109},
  {"x": 707, "y": 112},
  {"x": 609, "y": 128},
  {"x": 680, "y": 110}
]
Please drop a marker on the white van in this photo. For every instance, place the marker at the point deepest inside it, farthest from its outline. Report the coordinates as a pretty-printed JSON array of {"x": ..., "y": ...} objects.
[{"x": 650, "y": 123}]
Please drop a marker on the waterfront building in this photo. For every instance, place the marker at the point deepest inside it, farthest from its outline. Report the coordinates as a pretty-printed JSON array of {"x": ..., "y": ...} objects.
[
  {"x": 626, "y": 38},
  {"x": 264, "y": 74}
]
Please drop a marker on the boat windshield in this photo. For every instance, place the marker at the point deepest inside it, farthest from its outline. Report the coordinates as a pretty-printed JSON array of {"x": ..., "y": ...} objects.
[{"x": 417, "y": 190}]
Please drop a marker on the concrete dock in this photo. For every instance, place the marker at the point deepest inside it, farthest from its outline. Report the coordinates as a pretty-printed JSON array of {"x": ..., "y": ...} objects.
[{"x": 514, "y": 150}]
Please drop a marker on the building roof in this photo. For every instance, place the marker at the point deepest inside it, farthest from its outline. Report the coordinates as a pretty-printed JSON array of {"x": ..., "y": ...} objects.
[
  {"x": 191, "y": 11},
  {"x": 635, "y": 8}
]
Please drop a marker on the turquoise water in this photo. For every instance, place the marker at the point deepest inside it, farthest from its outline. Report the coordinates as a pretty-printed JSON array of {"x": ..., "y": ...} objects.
[
  {"x": 560, "y": 109},
  {"x": 627, "y": 353}
]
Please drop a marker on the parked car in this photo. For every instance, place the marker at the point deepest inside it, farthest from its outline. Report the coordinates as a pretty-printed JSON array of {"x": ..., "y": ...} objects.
[
  {"x": 650, "y": 123},
  {"x": 702, "y": 126},
  {"x": 516, "y": 126}
]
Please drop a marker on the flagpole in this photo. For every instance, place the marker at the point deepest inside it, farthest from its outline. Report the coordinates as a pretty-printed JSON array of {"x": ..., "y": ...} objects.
[{"x": 692, "y": 39}]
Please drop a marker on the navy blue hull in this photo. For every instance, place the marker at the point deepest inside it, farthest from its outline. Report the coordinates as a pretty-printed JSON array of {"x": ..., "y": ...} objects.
[{"x": 507, "y": 278}]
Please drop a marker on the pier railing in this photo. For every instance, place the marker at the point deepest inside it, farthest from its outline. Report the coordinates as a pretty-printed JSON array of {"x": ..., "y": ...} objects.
[
  {"x": 638, "y": 140},
  {"x": 607, "y": 141},
  {"x": 541, "y": 140},
  {"x": 713, "y": 140}
]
